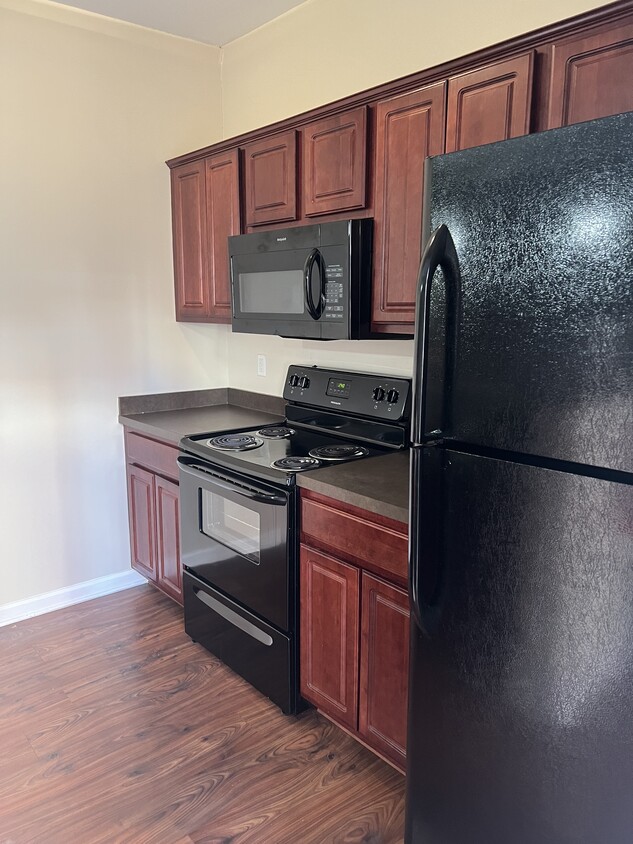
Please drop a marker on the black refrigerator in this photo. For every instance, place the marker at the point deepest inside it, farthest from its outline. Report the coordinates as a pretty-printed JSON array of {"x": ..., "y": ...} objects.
[{"x": 521, "y": 530}]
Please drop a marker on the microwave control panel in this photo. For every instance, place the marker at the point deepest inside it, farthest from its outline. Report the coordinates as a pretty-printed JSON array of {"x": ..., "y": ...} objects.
[{"x": 334, "y": 293}]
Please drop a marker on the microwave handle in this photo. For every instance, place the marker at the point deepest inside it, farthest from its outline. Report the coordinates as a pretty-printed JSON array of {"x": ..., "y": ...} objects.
[{"x": 313, "y": 258}]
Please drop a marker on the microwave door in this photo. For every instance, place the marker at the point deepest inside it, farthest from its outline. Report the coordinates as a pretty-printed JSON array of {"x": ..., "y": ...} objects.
[{"x": 269, "y": 293}]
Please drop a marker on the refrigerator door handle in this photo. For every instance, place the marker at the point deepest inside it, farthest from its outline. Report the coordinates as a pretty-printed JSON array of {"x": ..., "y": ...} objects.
[
  {"x": 439, "y": 252},
  {"x": 427, "y": 575}
]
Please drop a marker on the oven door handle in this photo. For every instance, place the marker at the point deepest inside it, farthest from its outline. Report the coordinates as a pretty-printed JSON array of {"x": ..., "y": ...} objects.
[{"x": 200, "y": 472}]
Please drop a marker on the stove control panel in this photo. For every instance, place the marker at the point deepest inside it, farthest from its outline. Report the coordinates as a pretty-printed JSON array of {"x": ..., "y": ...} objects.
[{"x": 385, "y": 397}]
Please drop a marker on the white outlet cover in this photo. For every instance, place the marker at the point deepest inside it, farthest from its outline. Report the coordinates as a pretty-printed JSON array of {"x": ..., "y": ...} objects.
[{"x": 261, "y": 364}]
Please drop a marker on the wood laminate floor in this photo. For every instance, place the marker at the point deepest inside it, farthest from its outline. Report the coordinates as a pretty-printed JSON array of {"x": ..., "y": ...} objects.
[{"x": 115, "y": 727}]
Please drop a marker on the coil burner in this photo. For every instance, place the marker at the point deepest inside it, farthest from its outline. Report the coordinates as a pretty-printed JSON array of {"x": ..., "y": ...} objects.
[
  {"x": 295, "y": 464},
  {"x": 234, "y": 442},
  {"x": 276, "y": 432},
  {"x": 338, "y": 451}
]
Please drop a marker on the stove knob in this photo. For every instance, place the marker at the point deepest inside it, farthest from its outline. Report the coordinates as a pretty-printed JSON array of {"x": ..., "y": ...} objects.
[
  {"x": 294, "y": 380},
  {"x": 392, "y": 396},
  {"x": 304, "y": 382},
  {"x": 378, "y": 394}
]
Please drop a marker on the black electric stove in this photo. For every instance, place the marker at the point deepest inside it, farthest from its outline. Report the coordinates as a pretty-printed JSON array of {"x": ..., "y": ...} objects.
[
  {"x": 331, "y": 417},
  {"x": 239, "y": 516}
]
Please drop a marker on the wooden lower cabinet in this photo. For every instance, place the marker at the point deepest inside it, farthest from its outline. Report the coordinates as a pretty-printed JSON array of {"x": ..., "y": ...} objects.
[
  {"x": 168, "y": 538},
  {"x": 354, "y": 661},
  {"x": 329, "y": 635},
  {"x": 153, "y": 503},
  {"x": 384, "y": 667},
  {"x": 140, "y": 491}
]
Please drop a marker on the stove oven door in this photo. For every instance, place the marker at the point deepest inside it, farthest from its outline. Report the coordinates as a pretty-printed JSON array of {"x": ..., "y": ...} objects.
[{"x": 234, "y": 537}]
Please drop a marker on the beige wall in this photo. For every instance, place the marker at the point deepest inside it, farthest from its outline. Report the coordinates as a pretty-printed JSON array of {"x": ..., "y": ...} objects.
[
  {"x": 327, "y": 49},
  {"x": 90, "y": 110}
]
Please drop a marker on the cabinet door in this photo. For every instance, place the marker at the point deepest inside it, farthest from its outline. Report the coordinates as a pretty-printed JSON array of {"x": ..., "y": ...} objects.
[
  {"x": 335, "y": 163},
  {"x": 384, "y": 668},
  {"x": 329, "y": 635},
  {"x": 190, "y": 254},
  {"x": 140, "y": 488},
  {"x": 592, "y": 76},
  {"x": 270, "y": 177},
  {"x": 409, "y": 128},
  {"x": 169, "y": 569},
  {"x": 490, "y": 104},
  {"x": 223, "y": 219}
]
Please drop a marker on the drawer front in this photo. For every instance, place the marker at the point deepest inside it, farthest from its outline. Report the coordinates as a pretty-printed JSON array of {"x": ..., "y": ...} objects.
[
  {"x": 355, "y": 538},
  {"x": 156, "y": 455}
]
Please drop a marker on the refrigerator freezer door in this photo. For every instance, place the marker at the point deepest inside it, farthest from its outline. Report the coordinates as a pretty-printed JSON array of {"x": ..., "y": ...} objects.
[
  {"x": 520, "y": 708},
  {"x": 543, "y": 228}
]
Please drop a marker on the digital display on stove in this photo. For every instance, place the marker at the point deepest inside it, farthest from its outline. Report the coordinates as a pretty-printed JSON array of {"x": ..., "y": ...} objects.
[{"x": 338, "y": 388}]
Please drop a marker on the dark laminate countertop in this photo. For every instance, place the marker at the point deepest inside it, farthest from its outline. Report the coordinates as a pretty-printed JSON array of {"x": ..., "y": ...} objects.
[
  {"x": 379, "y": 484},
  {"x": 170, "y": 416}
]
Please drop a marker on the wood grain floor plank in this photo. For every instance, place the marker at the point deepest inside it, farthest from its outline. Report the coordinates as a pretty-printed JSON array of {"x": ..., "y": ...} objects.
[{"x": 122, "y": 731}]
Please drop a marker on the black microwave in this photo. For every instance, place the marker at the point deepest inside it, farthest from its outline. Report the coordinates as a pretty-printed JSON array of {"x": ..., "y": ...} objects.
[{"x": 312, "y": 282}]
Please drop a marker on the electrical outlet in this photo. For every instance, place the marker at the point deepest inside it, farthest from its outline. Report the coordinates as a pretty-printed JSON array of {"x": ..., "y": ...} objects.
[{"x": 261, "y": 364}]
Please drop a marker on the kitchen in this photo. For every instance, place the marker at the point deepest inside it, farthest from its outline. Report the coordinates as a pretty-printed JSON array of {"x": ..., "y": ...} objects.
[{"x": 95, "y": 296}]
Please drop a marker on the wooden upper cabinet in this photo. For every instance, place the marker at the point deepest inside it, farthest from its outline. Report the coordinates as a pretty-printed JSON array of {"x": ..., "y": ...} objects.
[
  {"x": 270, "y": 179},
  {"x": 335, "y": 163},
  {"x": 222, "y": 220},
  {"x": 490, "y": 104},
  {"x": 384, "y": 668},
  {"x": 591, "y": 76},
  {"x": 205, "y": 211},
  {"x": 409, "y": 128},
  {"x": 190, "y": 255}
]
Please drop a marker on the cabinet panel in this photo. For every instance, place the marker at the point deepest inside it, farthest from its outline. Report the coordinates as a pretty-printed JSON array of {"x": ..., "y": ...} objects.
[
  {"x": 335, "y": 163},
  {"x": 151, "y": 453},
  {"x": 409, "y": 128},
  {"x": 490, "y": 104},
  {"x": 384, "y": 668},
  {"x": 223, "y": 219},
  {"x": 371, "y": 545},
  {"x": 169, "y": 569},
  {"x": 271, "y": 179},
  {"x": 329, "y": 635},
  {"x": 592, "y": 76},
  {"x": 140, "y": 485},
  {"x": 189, "y": 224}
]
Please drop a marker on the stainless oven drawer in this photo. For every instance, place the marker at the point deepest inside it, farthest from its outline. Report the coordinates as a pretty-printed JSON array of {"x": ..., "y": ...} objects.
[{"x": 255, "y": 650}]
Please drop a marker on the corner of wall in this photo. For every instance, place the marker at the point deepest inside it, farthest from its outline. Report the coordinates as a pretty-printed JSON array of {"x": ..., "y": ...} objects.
[{"x": 221, "y": 63}]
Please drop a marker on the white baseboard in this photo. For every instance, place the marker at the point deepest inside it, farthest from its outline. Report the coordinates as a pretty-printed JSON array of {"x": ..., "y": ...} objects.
[{"x": 59, "y": 598}]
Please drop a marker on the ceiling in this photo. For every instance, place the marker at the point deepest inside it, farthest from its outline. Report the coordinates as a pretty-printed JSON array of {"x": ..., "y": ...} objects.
[{"x": 209, "y": 21}]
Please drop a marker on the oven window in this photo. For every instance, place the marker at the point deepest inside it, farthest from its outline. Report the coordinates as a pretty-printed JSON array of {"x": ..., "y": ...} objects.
[
  {"x": 233, "y": 525},
  {"x": 279, "y": 292}
]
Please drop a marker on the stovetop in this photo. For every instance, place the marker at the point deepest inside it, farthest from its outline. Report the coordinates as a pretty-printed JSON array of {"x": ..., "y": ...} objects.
[
  {"x": 258, "y": 461},
  {"x": 332, "y": 417}
]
